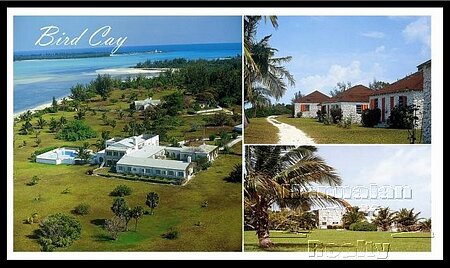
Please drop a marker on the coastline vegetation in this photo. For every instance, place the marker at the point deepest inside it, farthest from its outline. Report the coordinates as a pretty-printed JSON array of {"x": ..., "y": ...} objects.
[{"x": 106, "y": 110}]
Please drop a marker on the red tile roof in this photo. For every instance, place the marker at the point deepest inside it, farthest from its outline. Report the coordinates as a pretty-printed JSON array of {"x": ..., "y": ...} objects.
[
  {"x": 313, "y": 97},
  {"x": 358, "y": 93},
  {"x": 413, "y": 82}
]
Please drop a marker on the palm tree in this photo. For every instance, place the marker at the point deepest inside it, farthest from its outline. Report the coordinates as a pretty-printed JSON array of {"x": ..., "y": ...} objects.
[
  {"x": 261, "y": 68},
  {"x": 62, "y": 121},
  {"x": 41, "y": 122},
  {"x": 283, "y": 175},
  {"x": 136, "y": 214},
  {"x": 259, "y": 100},
  {"x": 384, "y": 218},
  {"x": 352, "y": 215},
  {"x": 406, "y": 218},
  {"x": 152, "y": 201},
  {"x": 83, "y": 152},
  {"x": 425, "y": 225}
]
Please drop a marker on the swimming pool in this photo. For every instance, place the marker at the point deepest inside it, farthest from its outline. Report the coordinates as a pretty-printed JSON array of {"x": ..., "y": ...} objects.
[{"x": 58, "y": 156}]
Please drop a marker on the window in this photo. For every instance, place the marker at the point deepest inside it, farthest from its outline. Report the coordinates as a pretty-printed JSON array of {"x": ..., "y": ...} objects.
[
  {"x": 115, "y": 154},
  {"x": 148, "y": 171},
  {"x": 142, "y": 170},
  {"x": 157, "y": 172},
  {"x": 171, "y": 173},
  {"x": 129, "y": 169},
  {"x": 134, "y": 169},
  {"x": 119, "y": 167},
  {"x": 359, "y": 109},
  {"x": 375, "y": 103},
  {"x": 306, "y": 107},
  {"x": 121, "y": 153},
  {"x": 164, "y": 172},
  {"x": 324, "y": 223},
  {"x": 335, "y": 222},
  {"x": 402, "y": 101},
  {"x": 109, "y": 153},
  {"x": 180, "y": 174}
]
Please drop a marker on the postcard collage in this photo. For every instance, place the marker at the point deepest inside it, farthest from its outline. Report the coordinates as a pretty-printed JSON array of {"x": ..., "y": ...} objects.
[{"x": 168, "y": 133}]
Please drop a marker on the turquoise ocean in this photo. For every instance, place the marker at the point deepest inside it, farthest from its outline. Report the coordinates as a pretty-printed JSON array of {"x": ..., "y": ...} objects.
[{"x": 37, "y": 81}]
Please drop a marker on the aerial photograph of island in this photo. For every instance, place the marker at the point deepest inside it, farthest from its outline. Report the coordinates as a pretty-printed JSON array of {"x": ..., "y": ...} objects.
[{"x": 127, "y": 133}]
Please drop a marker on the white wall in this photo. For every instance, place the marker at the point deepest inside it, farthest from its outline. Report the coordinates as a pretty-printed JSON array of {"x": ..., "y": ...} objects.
[
  {"x": 412, "y": 97},
  {"x": 330, "y": 216},
  {"x": 141, "y": 171},
  {"x": 348, "y": 109},
  {"x": 312, "y": 113},
  {"x": 48, "y": 161}
]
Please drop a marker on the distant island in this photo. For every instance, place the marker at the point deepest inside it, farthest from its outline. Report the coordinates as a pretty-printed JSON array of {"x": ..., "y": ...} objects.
[{"x": 72, "y": 55}]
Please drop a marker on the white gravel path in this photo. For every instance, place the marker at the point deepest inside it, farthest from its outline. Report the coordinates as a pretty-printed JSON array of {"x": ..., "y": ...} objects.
[{"x": 289, "y": 134}]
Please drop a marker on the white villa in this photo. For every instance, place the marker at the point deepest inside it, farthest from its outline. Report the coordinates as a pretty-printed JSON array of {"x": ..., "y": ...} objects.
[
  {"x": 143, "y": 104},
  {"x": 144, "y": 156},
  {"x": 352, "y": 102},
  {"x": 309, "y": 105},
  {"x": 330, "y": 216},
  {"x": 406, "y": 91}
]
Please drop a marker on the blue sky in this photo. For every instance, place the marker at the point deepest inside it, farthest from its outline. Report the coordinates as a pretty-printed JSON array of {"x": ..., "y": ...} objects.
[
  {"x": 380, "y": 166},
  {"x": 151, "y": 30},
  {"x": 331, "y": 49}
]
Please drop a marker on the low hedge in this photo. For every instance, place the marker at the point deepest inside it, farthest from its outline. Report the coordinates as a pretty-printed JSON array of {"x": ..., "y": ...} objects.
[{"x": 362, "y": 226}]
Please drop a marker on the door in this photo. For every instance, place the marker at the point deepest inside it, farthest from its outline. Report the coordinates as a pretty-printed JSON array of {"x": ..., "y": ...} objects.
[{"x": 383, "y": 109}]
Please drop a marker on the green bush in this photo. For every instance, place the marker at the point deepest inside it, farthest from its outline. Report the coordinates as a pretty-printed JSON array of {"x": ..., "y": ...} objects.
[
  {"x": 171, "y": 234},
  {"x": 362, "y": 226},
  {"x": 121, "y": 190},
  {"x": 235, "y": 175},
  {"x": 234, "y": 135},
  {"x": 212, "y": 137},
  {"x": 58, "y": 230},
  {"x": 336, "y": 114},
  {"x": 320, "y": 116},
  {"x": 82, "y": 209},
  {"x": 327, "y": 120},
  {"x": 191, "y": 111},
  {"x": 370, "y": 117},
  {"x": 76, "y": 131},
  {"x": 402, "y": 117},
  {"x": 34, "y": 180},
  {"x": 346, "y": 122},
  {"x": 299, "y": 114}
]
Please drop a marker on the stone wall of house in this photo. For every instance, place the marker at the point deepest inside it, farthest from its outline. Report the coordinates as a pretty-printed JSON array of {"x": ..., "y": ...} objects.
[
  {"x": 348, "y": 110},
  {"x": 312, "y": 113},
  {"x": 412, "y": 97},
  {"x": 426, "y": 126}
]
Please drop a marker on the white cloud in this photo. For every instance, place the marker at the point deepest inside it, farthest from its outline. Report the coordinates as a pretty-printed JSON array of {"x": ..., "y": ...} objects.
[
  {"x": 380, "y": 49},
  {"x": 418, "y": 30},
  {"x": 373, "y": 34},
  {"x": 340, "y": 73}
]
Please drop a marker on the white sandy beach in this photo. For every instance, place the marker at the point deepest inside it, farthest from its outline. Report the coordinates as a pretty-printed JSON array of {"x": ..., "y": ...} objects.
[
  {"x": 125, "y": 71},
  {"x": 39, "y": 107}
]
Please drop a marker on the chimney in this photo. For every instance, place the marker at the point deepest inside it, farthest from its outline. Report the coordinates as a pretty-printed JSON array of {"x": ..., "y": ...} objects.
[{"x": 135, "y": 142}]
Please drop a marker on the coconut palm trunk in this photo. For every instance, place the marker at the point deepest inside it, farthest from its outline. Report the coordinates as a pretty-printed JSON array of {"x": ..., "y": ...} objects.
[{"x": 262, "y": 222}]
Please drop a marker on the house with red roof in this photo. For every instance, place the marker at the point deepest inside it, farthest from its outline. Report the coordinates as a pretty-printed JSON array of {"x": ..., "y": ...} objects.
[
  {"x": 309, "y": 105},
  {"x": 352, "y": 102},
  {"x": 405, "y": 92}
]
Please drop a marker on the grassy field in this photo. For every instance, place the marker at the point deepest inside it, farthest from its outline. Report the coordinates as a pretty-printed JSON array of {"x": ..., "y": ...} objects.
[
  {"x": 356, "y": 134},
  {"x": 216, "y": 227},
  {"x": 260, "y": 131},
  {"x": 342, "y": 241}
]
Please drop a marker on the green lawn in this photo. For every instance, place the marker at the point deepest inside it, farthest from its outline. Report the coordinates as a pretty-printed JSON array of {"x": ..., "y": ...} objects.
[
  {"x": 216, "y": 227},
  {"x": 356, "y": 134},
  {"x": 260, "y": 131},
  {"x": 342, "y": 241}
]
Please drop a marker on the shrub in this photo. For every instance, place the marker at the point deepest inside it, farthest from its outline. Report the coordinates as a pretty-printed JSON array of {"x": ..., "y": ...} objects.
[
  {"x": 121, "y": 190},
  {"x": 234, "y": 135},
  {"x": 370, "y": 117},
  {"x": 402, "y": 117},
  {"x": 76, "y": 131},
  {"x": 346, "y": 122},
  {"x": 336, "y": 114},
  {"x": 191, "y": 111},
  {"x": 82, "y": 209},
  {"x": 320, "y": 116},
  {"x": 34, "y": 180},
  {"x": 58, "y": 230},
  {"x": 235, "y": 175},
  {"x": 329, "y": 226},
  {"x": 90, "y": 172},
  {"x": 362, "y": 226},
  {"x": 171, "y": 234},
  {"x": 34, "y": 218},
  {"x": 327, "y": 120},
  {"x": 226, "y": 150},
  {"x": 299, "y": 114}
]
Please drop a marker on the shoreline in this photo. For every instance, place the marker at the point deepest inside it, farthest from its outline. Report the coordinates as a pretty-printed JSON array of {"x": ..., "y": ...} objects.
[{"x": 39, "y": 107}]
